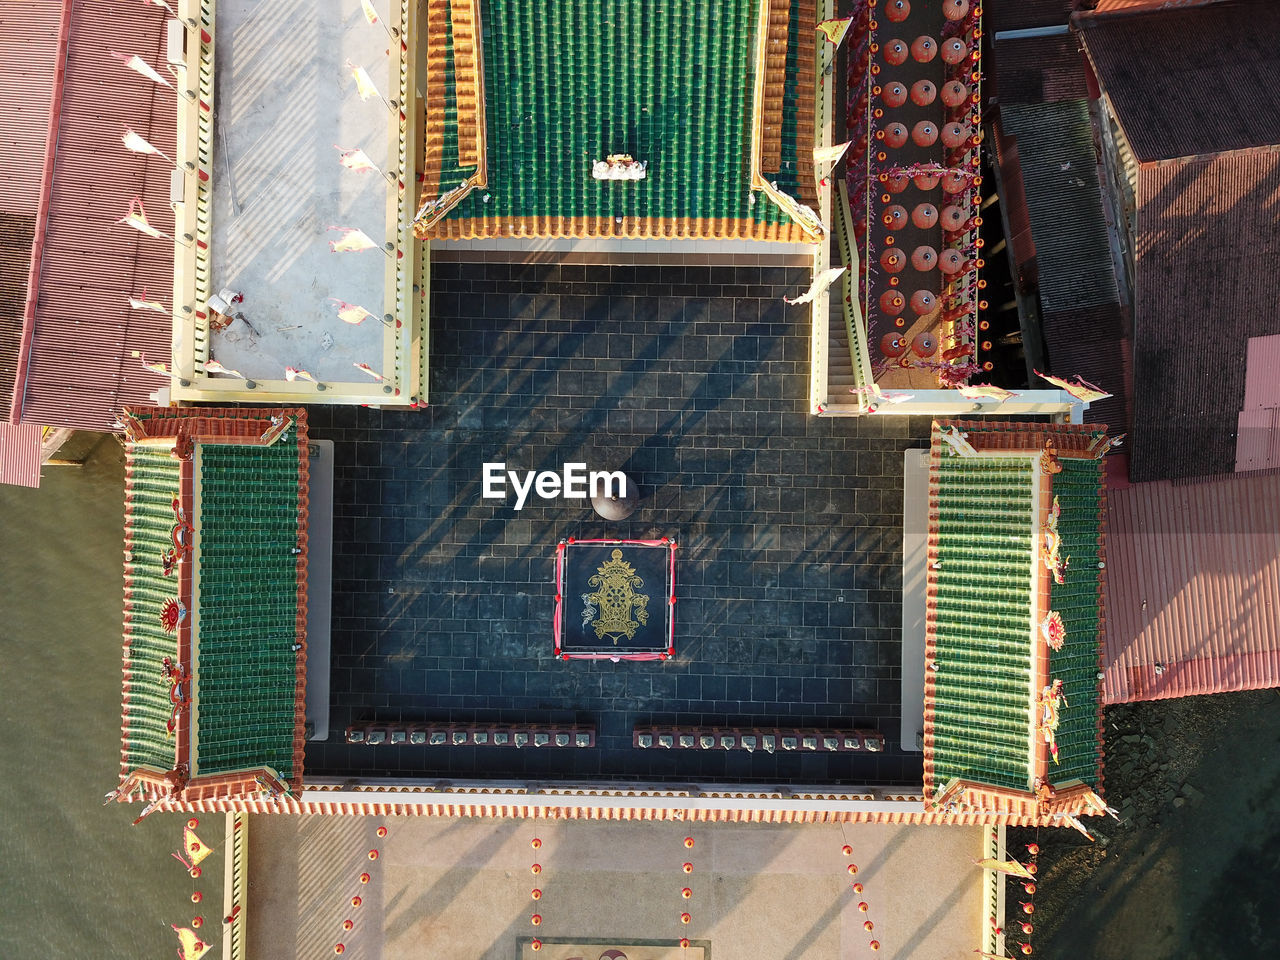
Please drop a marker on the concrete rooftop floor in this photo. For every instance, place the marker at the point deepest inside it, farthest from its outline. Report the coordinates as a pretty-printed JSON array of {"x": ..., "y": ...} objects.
[
  {"x": 462, "y": 888},
  {"x": 285, "y": 99},
  {"x": 694, "y": 379}
]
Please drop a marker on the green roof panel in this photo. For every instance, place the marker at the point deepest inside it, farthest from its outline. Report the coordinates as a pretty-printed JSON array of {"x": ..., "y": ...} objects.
[
  {"x": 153, "y": 484},
  {"x": 246, "y": 682},
  {"x": 568, "y": 82},
  {"x": 981, "y": 724},
  {"x": 1076, "y": 664}
]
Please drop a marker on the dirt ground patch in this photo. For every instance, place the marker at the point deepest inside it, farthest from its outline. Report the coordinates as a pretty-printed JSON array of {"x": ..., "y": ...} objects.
[{"x": 1192, "y": 867}]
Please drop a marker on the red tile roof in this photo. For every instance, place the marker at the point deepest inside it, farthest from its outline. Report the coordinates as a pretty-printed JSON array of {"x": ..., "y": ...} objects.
[
  {"x": 79, "y": 341},
  {"x": 1206, "y": 282},
  {"x": 1194, "y": 81},
  {"x": 1194, "y": 570}
]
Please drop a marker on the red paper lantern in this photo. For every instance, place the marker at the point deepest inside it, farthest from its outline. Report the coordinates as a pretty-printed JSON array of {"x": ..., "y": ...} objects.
[
  {"x": 894, "y": 94},
  {"x": 924, "y": 49},
  {"x": 924, "y": 134},
  {"x": 923, "y": 93},
  {"x": 954, "y": 50}
]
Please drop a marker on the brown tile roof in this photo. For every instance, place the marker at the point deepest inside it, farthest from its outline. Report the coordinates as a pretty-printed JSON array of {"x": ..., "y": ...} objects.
[
  {"x": 1206, "y": 282},
  {"x": 1194, "y": 81},
  {"x": 1195, "y": 570},
  {"x": 1090, "y": 342}
]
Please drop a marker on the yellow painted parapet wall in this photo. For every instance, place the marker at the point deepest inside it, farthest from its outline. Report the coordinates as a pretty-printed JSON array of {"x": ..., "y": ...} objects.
[{"x": 404, "y": 345}]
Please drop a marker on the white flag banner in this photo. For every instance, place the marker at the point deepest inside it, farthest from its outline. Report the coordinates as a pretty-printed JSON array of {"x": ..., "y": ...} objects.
[
  {"x": 370, "y": 14},
  {"x": 831, "y": 154},
  {"x": 820, "y": 283},
  {"x": 141, "y": 66},
  {"x": 351, "y": 313},
  {"x": 364, "y": 83},
  {"x": 155, "y": 305},
  {"x": 352, "y": 240},
  {"x": 138, "y": 144},
  {"x": 137, "y": 218},
  {"x": 364, "y": 367},
  {"x": 213, "y": 366},
  {"x": 355, "y": 159},
  {"x": 293, "y": 373}
]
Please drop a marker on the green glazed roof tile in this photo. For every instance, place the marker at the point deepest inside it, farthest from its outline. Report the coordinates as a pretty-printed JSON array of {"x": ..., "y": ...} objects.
[
  {"x": 1076, "y": 664},
  {"x": 153, "y": 485},
  {"x": 246, "y": 678},
  {"x": 568, "y": 82},
  {"x": 981, "y": 724}
]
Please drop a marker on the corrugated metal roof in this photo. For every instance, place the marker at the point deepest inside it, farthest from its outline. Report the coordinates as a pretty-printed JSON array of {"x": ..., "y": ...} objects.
[
  {"x": 1059, "y": 176},
  {"x": 1206, "y": 282},
  {"x": 1262, "y": 372},
  {"x": 1194, "y": 598},
  {"x": 28, "y": 60},
  {"x": 1258, "y": 439},
  {"x": 1188, "y": 82},
  {"x": 1090, "y": 343},
  {"x": 80, "y": 367},
  {"x": 1026, "y": 14},
  {"x": 28, "y": 69},
  {"x": 1039, "y": 69},
  {"x": 1013, "y": 199},
  {"x": 20, "y": 454}
]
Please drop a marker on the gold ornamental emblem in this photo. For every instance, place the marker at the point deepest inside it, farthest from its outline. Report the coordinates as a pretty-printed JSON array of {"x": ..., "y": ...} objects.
[{"x": 615, "y": 609}]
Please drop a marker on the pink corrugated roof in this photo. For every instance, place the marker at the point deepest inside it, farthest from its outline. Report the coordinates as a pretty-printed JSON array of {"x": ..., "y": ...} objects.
[
  {"x": 1262, "y": 373},
  {"x": 28, "y": 60},
  {"x": 1193, "y": 573},
  {"x": 20, "y": 455},
  {"x": 79, "y": 344}
]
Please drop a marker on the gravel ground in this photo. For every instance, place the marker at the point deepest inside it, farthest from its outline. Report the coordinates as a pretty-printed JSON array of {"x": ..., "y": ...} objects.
[{"x": 1192, "y": 868}]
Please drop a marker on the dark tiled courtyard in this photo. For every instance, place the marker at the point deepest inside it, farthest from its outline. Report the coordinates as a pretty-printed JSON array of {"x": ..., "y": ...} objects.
[{"x": 789, "y": 568}]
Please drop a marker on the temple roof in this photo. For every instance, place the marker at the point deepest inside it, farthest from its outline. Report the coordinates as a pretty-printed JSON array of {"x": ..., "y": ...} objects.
[
  {"x": 215, "y": 532},
  {"x": 990, "y": 589},
  {"x": 514, "y": 123}
]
